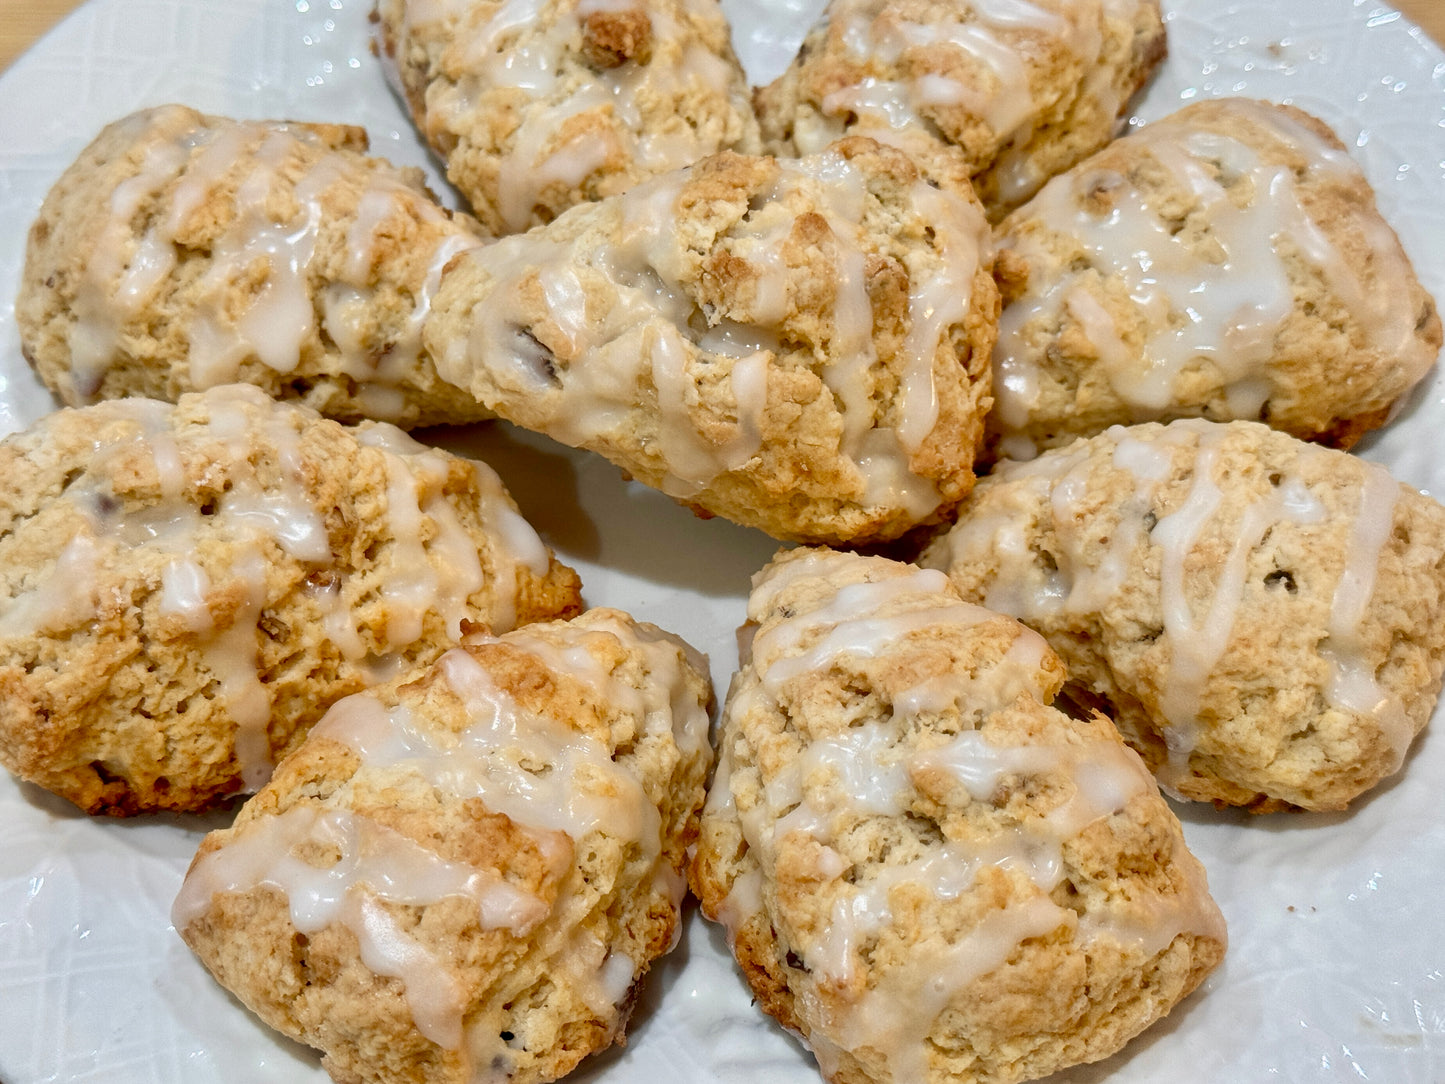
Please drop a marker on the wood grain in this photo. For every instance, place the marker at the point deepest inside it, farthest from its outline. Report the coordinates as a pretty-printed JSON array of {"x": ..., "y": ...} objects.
[{"x": 23, "y": 21}]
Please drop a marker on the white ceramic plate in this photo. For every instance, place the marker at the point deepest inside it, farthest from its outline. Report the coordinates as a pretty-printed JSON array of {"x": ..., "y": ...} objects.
[{"x": 1336, "y": 970}]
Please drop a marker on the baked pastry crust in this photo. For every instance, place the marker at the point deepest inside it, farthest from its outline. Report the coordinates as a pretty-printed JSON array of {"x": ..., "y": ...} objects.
[
  {"x": 1263, "y": 618},
  {"x": 538, "y": 107},
  {"x": 182, "y": 251},
  {"x": 185, "y": 589},
  {"x": 464, "y": 874},
  {"x": 800, "y": 346},
  {"x": 924, "y": 869},
  {"x": 1006, "y": 95},
  {"x": 1225, "y": 262}
]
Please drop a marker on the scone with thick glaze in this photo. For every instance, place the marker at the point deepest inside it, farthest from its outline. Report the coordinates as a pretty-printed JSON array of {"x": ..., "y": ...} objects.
[
  {"x": 182, "y": 251},
  {"x": 796, "y": 345},
  {"x": 1264, "y": 618},
  {"x": 1226, "y": 262},
  {"x": 1005, "y": 92},
  {"x": 185, "y": 589},
  {"x": 924, "y": 869},
  {"x": 463, "y": 876},
  {"x": 542, "y": 104}
]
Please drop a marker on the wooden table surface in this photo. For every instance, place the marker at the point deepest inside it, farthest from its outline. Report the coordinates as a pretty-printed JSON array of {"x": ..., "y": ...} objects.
[{"x": 22, "y": 21}]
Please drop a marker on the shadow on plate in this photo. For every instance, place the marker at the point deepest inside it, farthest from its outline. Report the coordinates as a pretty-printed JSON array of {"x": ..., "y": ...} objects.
[{"x": 588, "y": 512}]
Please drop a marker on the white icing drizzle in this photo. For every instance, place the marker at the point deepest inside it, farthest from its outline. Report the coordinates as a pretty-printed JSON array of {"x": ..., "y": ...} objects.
[
  {"x": 1027, "y": 590},
  {"x": 649, "y": 331},
  {"x": 115, "y": 282},
  {"x": 287, "y": 512},
  {"x": 662, "y": 701},
  {"x": 65, "y": 598},
  {"x": 374, "y": 865},
  {"x": 415, "y": 586},
  {"x": 551, "y": 780},
  {"x": 1197, "y": 645},
  {"x": 855, "y": 637},
  {"x": 936, "y": 303},
  {"x": 600, "y": 976},
  {"x": 1353, "y": 685},
  {"x": 232, "y": 655},
  {"x": 640, "y": 336},
  {"x": 441, "y": 573},
  {"x": 184, "y": 163},
  {"x": 1196, "y": 631},
  {"x": 896, "y": 1018},
  {"x": 834, "y": 782},
  {"x": 438, "y": 566},
  {"x": 381, "y": 373},
  {"x": 184, "y": 586},
  {"x": 540, "y": 773},
  {"x": 993, "y": 41},
  {"x": 1221, "y": 302},
  {"x": 526, "y": 53}
]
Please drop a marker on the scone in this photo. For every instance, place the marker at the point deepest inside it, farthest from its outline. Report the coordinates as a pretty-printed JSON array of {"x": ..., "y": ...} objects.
[
  {"x": 1227, "y": 262},
  {"x": 924, "y": 869},
  {"x": 539, "y": 106},
  {"x": 185, "y": 589},
  {"x": 796, "y": 345},
  {"x": 1008, "y": 93},
  {"x": 463, "y": 876},
  {"x": 182, "y": 251},
  {"x": 1264, "y": 618}
]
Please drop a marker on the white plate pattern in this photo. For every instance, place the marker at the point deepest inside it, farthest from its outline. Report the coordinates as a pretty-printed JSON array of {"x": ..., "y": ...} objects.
[{"x": 1336, "y": 970}]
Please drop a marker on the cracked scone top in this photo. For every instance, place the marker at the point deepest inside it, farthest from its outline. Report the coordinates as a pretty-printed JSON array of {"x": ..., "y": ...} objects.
[
  {"x": 182, "y": 251},
  {"x": 537, "y": 105},
  {"x": 1227, "y": 261},
  {"x": 1006, "y": 92},
  {"x": 923, "y": 868},
  {"x": 463, "y": 877},
  {"x": 1261, "y": 616},
  {"x": 186, "y": 589},
  {"x": 796, "y": 345}
]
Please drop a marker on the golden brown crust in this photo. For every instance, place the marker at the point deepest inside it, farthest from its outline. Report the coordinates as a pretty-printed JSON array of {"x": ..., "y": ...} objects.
[
  {"x": 610, "y": 97},
  {"x": 923, "y": 868},
  {"x": 1202, "y": 586},
  {"x": 967, "y": 112},
  {"x": 799, "y": 346},
  {"x": 1309, "y": 316},
  {"x": 1133, "y": 45},
  {"x": 529, "y": 975},
  {"x": 180, "y": 251},
  {"x": 185, "y": 590}
]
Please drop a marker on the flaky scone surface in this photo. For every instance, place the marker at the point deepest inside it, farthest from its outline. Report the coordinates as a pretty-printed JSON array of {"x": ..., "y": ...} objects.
[
  {"x": 541, "y": 106},
  {"x": 465, "y": 875},
  {"x": 799, "y": 346},
  {"x": 924, "y": 869},
  {"x": 182, "y": 251},
  {"x": 184, "y": 590},
  {"x": 1225, "y": 262},
  {"x": 1131, "y": 45},
  {"x": 1261, "y": 616},
  {"x": 1005, "y": 94}
]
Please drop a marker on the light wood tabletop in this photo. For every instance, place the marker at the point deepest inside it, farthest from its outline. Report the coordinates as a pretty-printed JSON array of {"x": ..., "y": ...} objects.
[{"x": 22, "y": 21}]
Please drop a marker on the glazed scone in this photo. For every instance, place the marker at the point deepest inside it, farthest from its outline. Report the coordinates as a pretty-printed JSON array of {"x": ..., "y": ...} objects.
[
  {"x": 464, "y": 876},
  {"x": 182, "y": 251},
  {"x": 924, "y": 869},
  {"x": 185, "y": 589},
  {"x": 796, "y": 345},
  {"x": 1225, "y": 262},
  {"x": 1264, "y": 618},
  {"x": 1006, "y": 92},
  {"x": 539, "y": 105}
]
